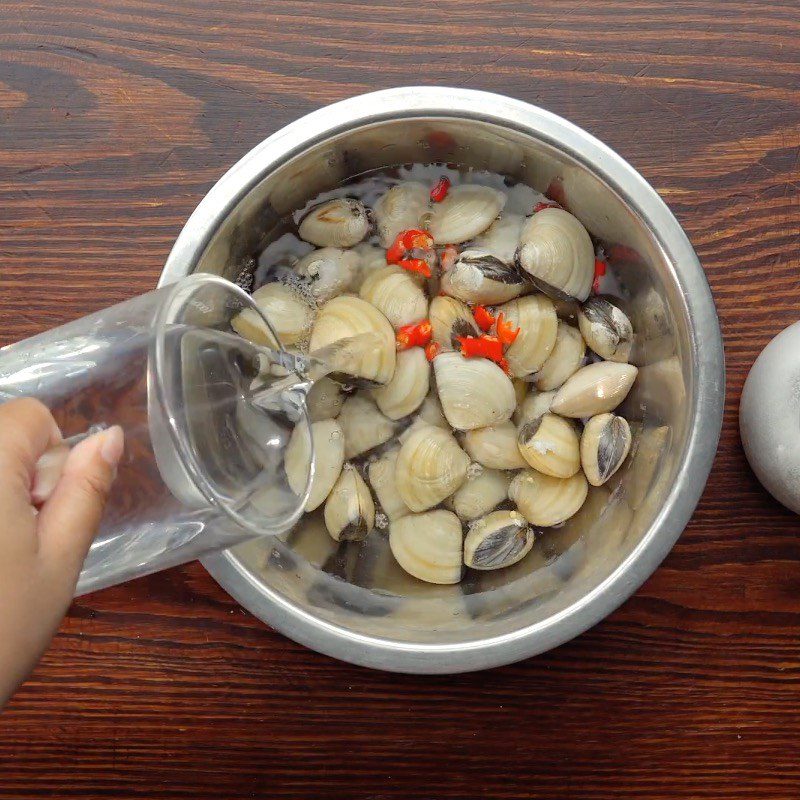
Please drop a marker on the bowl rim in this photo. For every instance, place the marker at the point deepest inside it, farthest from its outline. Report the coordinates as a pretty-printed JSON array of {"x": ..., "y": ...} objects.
[{"x": 706, "y": 350}]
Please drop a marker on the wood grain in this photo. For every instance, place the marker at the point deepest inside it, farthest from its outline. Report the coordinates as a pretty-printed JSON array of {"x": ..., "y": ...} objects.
[{"x": 116, "y": 116}]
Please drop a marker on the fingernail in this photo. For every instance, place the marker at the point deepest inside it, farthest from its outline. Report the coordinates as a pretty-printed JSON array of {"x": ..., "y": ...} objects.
[{"x": 112, "y": 446}]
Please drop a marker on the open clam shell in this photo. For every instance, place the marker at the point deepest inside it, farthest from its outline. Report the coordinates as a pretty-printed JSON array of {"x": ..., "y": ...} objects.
[
  {"x": 428, "y": 546},
  {"x": 594, "y": 389},
  {"x": 349, "y": 509},
  {"x": 606, "y": 329},
  {"x": 565, "y": 359},
  {"x": 536, "y": 319},
  {"x": 497, "y": 540},
  {"x": 605, "y": 444},
  {"x": 467, "y": 211},
  {"x": 550, "y": 444},
  {"x": 408, "y": 387},
  {"x": 556, "y": 251},
  {"x": 546, "y": 501},
  {"x": 341, "y": 222},
  {"x": 381, "y": 473},
  {"x": 474, "y": 392}
]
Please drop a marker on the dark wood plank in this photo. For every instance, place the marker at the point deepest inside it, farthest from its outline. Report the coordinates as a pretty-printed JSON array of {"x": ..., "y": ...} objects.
[{"x": 117, "y": 115}]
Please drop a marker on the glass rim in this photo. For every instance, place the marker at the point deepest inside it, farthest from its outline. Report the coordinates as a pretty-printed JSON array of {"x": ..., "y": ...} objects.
[{"x": 167, "y": 313}]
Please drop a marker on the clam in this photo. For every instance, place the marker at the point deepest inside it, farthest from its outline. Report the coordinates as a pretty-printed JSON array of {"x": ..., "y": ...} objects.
[
  {"x": 565, "y": 359},
  {"x": 480, "y": 495},
  {"x": 606, "y": 329},
  {"x": 497, "y": 540},
  {"x": 521, "y": 389},
  {"x": 479, "y": 277},
  {"x": 605, "y": 444},
  {"x": 381, "y": 473},
  {"x": 329, "y": 271},
  {"x": 594, "y": 389},
  {"x": 534, "y": 405},
  {"x": 341, "y": 222},
  {"x": 474, "y": 392},
  {"x": 466, "y": 211},
  {"x": 369, "y": 357},
  {"x": 546, "y": 501},
  {"x": 396, "y": 295},
  {"x": 431, "y": 412},
  {"x": 536, "y": 318},
  {"x": 399, "y": 209},
  {"x": 349, "y": 509},
  {"x": 556, "y": 251},
  {"x": 288, "y": 313},
  {"x": 363, "y": 425},
  {"x": 450, "y": 318},
  {"x": 495, "y": 446},
  {"x": 428, "y": 546},
  {"x": 430, "y": 467},
  {"x": 408, "y": 387},
  {"x": 328, "y": 442},
  {"x": 501, "y": 238},
  {"x": 550, "y": 444},
  {"x": 325, "y": 400}
]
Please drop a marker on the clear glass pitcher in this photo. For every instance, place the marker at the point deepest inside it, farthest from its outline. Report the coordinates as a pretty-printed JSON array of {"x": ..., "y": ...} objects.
[{"x": 203, "y": 463}]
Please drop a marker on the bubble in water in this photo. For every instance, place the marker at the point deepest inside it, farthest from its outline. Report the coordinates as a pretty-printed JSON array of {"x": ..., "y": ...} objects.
[{"x": 381, "y": 521}]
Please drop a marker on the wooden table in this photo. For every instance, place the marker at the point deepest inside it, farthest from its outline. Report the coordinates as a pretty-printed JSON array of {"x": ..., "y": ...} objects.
[{"x": 116, "y": 117}]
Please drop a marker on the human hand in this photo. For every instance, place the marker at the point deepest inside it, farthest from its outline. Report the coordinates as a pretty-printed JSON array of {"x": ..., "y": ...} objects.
[{"x": 48, "y": 518}]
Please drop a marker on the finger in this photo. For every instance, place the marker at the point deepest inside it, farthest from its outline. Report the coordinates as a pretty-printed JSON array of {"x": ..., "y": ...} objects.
[
  {"x": 27, "y": 429},
  {"x": 47, "y": 473},
  {"x": 68, "y": 521}
]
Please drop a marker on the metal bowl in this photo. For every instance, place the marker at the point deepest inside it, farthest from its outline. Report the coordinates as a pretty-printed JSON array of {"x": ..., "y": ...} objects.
[{"x": 352, "y": 601}]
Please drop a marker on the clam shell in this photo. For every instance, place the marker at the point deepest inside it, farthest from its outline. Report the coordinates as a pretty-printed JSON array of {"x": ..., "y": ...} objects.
[
  {"x": 466, "y": 211},
  {"x": 606, "y": 329},
  {"x": 536, "y": 318},
  {"x": 329, "y": 271},
  {"x": 396, "y": 295},
  {"x": 349, "y": 509},
  {"x": 364, "y": 426},
  {"x": 371, "y": 357},
  {"x": 430, "y": 467},
  {"x": 428, "y": 546},
  {"x": 605, "y": 444},
  {"x": 550, "y": 444},
  {"x": 501, "y": 238},
  {"x": 431, "y": 412},
  {"x": 381, "y": 473},
  {"x": 408, "y": 387},
  {"x": 480, "y": 278},
  {"x": 565, "y": 359},
  {"x": 556, "y": 251},
  {"x": 450, "y": 318},
  {"x": 479, "y": 495},
  {"x": 325, "y": 400},
  {"x": 546, "y": 501},
  {"x": 594, "y": 389},
  {"x": 495, "y": 446},
  {"x": 328, "y": 442},
  {"x": 288, "y": 313},
  {"x": 534, "y": 405},
  {"x": 474, "y": 392},
  {"x": 400, "y": 209},
  {"x": 497, "y": 540},
  {"x": 341, "y": 222}
]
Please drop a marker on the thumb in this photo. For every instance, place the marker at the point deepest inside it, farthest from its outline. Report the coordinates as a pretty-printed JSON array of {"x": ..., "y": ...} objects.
[{"x": 68, "y": 521}]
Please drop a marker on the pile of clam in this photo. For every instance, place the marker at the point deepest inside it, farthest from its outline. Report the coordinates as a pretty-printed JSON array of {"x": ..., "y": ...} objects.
[{"x": 467, "y": 415}]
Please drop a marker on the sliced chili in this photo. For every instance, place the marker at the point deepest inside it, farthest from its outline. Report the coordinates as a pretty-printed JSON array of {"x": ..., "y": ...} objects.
[
  {"x": 405, "y": 243},
  {"x": 599, "y": 271},
  {"x": 543, "y": 205},
  {"x": 481, "y": 347},
  {"x": 440, "y": 190},
  {"x": 417, "y": 335},
  {"x": 484, "y": 319},
  {"x": 448, "y": 257},
  {"x": 432, "y": 350},
  {"x": 506, "y": 332},
  {"x": 419, "y": 265}
]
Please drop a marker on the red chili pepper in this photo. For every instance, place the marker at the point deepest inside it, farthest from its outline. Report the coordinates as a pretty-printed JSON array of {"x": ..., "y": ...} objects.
[
  {"x": 440, "y": 190},
  {"x": 541, "y": 206},
  {"x": 484, "y": 319},
  {"x": 416, "y": 265},
  {"x": 481, "y": 347},
  {"x": 417, "y": 335},
  {"x": 405, "y": 241},
  {"x": 432, "y": 350},
  {"x": 448, "y": 257},
  {"x": 506, "y": 332},
  {"x": 599, "y": 271},
  {"x": 503, "y": 364}
]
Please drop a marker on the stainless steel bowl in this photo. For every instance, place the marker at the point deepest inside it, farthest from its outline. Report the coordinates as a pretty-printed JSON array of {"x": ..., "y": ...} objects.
[{"x": 354, "y": 603}]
